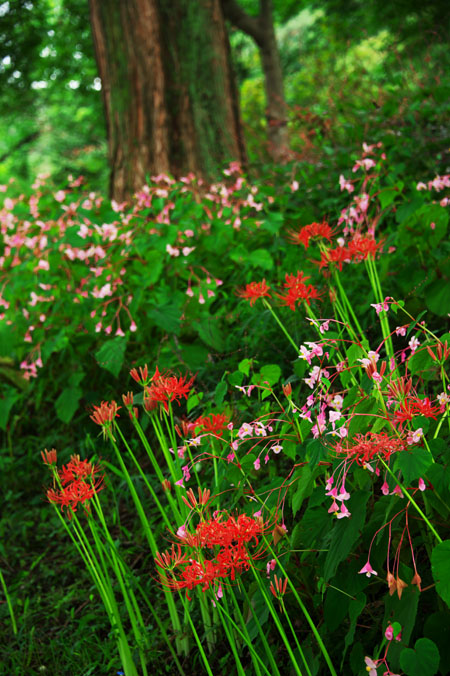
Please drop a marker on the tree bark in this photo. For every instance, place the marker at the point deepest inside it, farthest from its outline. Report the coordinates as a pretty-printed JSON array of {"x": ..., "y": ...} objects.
[
  {"x": 168, "y": 89},
  {"x": 261, "y": 29}
]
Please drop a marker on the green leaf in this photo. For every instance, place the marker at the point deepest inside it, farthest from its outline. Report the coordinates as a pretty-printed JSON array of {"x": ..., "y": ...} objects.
[
  {"x": 356, "y": 606},
  {"x": 304, "y": 488},
  {"x": 437, "y": 297},
  {"x": 315, "y": 451},
  {"x": 387, "y": 196},
  {"x": 289, "y": 448},
  {"x": 434, "y": 213},
  {"x": 270, "y": 373},
  {"x": 260, "y": 258},
  {"x": 220, "y": 392},
  {"x": 167, "y": 317},
  {"x": 440, "y": 567},
  {"x": 111, "y": 354},
  {"x": 211, "y": 334},
  {"x": 413, "y": 463},
  {"x": 67, "y": 403},
  {"x": 245, "y": 366},
  {"x": 345, "y": 533},
  {"x": 422, "y": 661}
]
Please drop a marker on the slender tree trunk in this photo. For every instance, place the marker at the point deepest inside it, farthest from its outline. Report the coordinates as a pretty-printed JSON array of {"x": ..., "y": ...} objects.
[
  {"x": 168, "y": 89},
  {"x": 261, "y": 29}
]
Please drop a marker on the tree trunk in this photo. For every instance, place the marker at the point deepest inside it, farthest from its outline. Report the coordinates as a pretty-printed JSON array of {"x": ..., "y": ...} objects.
[
  {"x": 168, "y": 89},
  {"x": 262, "y": 30}
]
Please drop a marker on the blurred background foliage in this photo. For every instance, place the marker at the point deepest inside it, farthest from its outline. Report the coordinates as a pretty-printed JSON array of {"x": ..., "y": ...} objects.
[{"x": 353, "y": 71}]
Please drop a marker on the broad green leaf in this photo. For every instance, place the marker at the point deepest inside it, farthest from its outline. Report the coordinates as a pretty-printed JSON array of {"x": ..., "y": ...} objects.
[
  {"x": 304, "y": 488},
  {"x": 335, "y": 608},
  {"x": 355, "y": 608},
  {"x": 220, "y": 392},
  {"x": 260, "y": 258},
  {"x": 440, "y": 567},
  {"x": 211, "y": 334},
  {"x": 437, "y": 297},
  {"x": 67, "y": 403},
  {"x": 413, "y": 463},
  {"x": 245, "y": 366},
  {"x": 387, "y": 196},
  {"x": 422, "y": 661},
  {"x": 111, "y": 354},
  {"x": 345, "y": 533},
  {"x": 316, "y": 451},
  {"x": 437, "y": 627},
  {"x": 167, "y": 317},
  {"x": 270, "y": 373}
]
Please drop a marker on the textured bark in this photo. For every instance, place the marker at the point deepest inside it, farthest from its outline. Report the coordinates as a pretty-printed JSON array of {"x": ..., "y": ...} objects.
[
  {"x": 168, "y": 90},
  {"x": 261, "y": 29}
]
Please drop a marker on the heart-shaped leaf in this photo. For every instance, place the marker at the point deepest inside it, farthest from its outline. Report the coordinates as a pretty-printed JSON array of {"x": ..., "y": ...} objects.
[
  {"x": 422, "y": 661},
  {"x": 440, "y": 567}
]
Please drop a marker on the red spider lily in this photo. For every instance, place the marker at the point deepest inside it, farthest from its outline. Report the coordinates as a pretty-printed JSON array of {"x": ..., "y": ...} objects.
[
  {"x": 443, "y": 352},
  {"x": 308, "y": 232},
  {"x": 213, "y": 424},
  {"x": 170, "y": 558},
  {"x": 192, "y": 502},
  {"x": 414, "y": 407},
  {"x": 361, "y": 248},
  {"x": 253, "y": 291},
  {"x": 280, "y": 587},
  {"x": 128, "y": 399},
  {"x": 337, "y": 256},
  {"x": 400, "y": 388},
  {"x": 49, "y": 457},
  {"x": 297, "y": 290},
  {"x": 78, "y": 484},
  {"x": 365, "y": 447},
  {"x": 140, "y": 377},
  {"x": 165, "y": 389},
  {"x": 232, "y": 536},
  {"x": 358, "y": 249},
  {"x": 105, "y": 413}
]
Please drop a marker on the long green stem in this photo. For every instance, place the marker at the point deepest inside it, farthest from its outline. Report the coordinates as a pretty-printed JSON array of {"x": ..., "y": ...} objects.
[
  {"x": 9, "y": 604},
  {"x": 280, "y": 324},
  {"x": 412, "y": 501}
]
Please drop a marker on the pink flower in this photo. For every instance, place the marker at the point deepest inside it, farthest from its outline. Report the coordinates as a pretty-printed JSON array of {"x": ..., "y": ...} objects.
[
  {"x": 257, "y": 464},
  {"x": 422, "y": 485},
  {"x": 385, "y": 488},
  {"x": 400, "y": 330},
  {"x": 371, "y": 666},
  {"x": 413, "y": 344},
  {"x": 389, "y": 633},
  {"x": 344, "y": 512},
  {"x": 368, "y": 570},
  {"x": 133, "y": 327}
]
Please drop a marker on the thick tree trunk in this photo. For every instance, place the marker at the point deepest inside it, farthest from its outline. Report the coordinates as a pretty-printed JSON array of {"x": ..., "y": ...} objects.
[
  {"x": 168, "y": 89},
  {"x": 261, "y": 29}
]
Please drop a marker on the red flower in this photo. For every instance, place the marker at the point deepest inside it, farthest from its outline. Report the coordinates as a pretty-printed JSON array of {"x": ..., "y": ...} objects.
[
  {"x": 297, "y": 290},
  {"x": 165, "y": 389},
  {"x": 233, "y": 538},
  {"x": 49, "y": 457},
  {"x": 78, "y": 484},
  {"x": 306, "y": 233},
  {"x": 254, "y": 290},
  {"x": 213, "y": 424},
  {"x": 414, "y": 407},
  {"x": 361, "y": 248},
  {"x": 365, "y": 447},
  {"x": 105, "y": 413}
]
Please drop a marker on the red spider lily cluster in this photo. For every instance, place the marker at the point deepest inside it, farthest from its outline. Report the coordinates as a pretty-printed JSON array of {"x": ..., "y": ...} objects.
[
  {"x": 411, "y": 407},
  {"x": 232, "y": 540},
  {"x": 78, "y": 482},
  {"x": 311, "y": 231},
  {"x": 211, "y": 424},
  {"x": 297, "y": 290},
  {"x": 161, "y": 388},
  {"x": 357, "y": 250},
  {"x": 365, "y": 447},
  {"x": 253, "y": 291}
]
